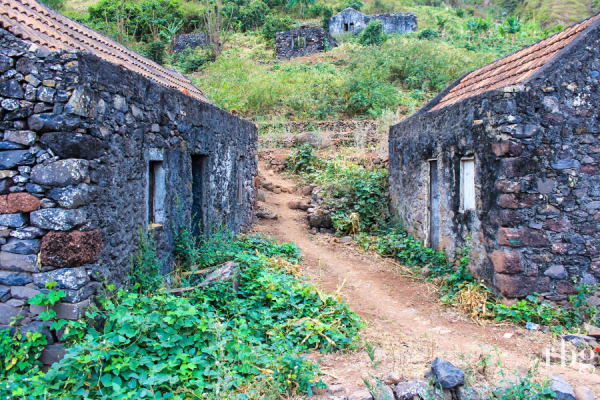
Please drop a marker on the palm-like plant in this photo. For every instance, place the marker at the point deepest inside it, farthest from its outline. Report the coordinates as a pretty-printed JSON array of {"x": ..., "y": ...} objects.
[
  {"x": 512, "y": 26},
  {"x": 168, "y": 32},
  {"x": 441, "y": 23}
]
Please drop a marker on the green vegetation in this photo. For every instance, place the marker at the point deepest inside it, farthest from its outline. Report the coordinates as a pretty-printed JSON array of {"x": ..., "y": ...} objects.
[
  {"x": 358, "y": 197},
  {"x": 211, "y": 343},
  {"x": 366, "y": 76}
]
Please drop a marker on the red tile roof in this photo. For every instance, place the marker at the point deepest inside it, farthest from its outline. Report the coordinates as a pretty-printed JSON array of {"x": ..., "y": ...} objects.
[
  {"x": 515, "y": 68},
  {"x": 38, "y": 24}
]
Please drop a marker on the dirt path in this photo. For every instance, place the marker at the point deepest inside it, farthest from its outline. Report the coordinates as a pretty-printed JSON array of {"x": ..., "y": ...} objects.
[{"x": 406, "y": 323}]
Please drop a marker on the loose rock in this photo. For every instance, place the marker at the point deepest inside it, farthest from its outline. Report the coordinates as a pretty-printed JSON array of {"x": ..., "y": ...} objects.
[
  {"x": 561, "y": 387},
  {"x": 446, "y": 374}
]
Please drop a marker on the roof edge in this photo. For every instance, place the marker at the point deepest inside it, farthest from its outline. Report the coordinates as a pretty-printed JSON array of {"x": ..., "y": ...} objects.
[
  {"x": 568, "y": 48},
  {"x": 437, "y": 98}
]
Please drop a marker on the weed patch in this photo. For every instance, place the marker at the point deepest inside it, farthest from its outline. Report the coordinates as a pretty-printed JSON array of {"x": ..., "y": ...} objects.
[{"x": 213, "y": 342}]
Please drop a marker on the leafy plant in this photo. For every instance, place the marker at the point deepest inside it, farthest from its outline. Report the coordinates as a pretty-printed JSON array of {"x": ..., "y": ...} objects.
[
  {"x": 212, "y": 341},
  {"x": 303, "y": 160},
  {"x": 145, "y": 274},
  {"x": 373, "y": 34}
]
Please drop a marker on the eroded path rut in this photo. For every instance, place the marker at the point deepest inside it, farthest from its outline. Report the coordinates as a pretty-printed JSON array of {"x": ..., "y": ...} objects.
[{"x": 406, "y": 323}]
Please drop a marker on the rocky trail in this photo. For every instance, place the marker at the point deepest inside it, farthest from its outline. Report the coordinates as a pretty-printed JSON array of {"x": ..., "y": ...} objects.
[{"x": 406, "y": 324}]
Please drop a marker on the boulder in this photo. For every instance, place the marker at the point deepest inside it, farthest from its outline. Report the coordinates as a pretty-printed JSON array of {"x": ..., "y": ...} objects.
[
  {"x": 37, "y": 326},
  {"x": 446, "y": 375},
  {"x": 7, "y": 313},
  {"x": 360, "y": 395},
  {"x": 13, "y": 158},
  {"x": 263, "y": 214},
  {"x": 25, "y": 247},
  {"x": 18, "y": 262},
  {"x": 52, "y": 354},
  {"x": 382, "y": 392},
  {"x": 316, "y": 140},
  {"x": 83, "y": 102},
  {"x": 48, "y": 122},
  {"x": 29, "y": 232},
  {"x": 13, "y": 220},
  {"x": 410, "y": 389},
  {"x": 18, "y": 203},
  {"x": 68, "y": 311},
  {"x": 392, "y": 378},
  {"x": 25, "y": 138},
  {"x": 66, "y": 278},
  {"x": 71, "y": 196},
  {"x": 5, "y": 292},
  {"x": 58, "y": 219},
  {"x": 12, "y": 278},
  {"x": 23, "y": 292},
  {"x": 561, "y": 388},
  {"x": 70, "y": 249},
  {"x": 592, "y": 331},
  {"x": 320, "y": 221},
  {"x": 11, "y": 88},
  {"x": 79, "y": 295},
  {"x": 61, "y": 173},
  {"x": 73, "y": 145},
  {"x": 583, "y": 393}
]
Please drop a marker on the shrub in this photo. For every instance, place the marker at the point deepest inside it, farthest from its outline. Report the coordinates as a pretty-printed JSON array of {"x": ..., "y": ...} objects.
[
  {"x": 189, "y": 60},
  {"x": 156, "y": 51},
  {"x": 251, "y": 16},
  {"x": 429, "y": 33},
  {"x": 303, "y": 160},
  {"x": 373, "y": 34}
]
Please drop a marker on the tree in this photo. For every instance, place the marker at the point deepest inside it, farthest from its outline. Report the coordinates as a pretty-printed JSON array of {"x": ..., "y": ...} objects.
[
  {"x": 301, "y": 4},
  {"x": 168, "y": 33},
  {"x": 373, "y": 34},
  {"x": 512, "y": 25},
  {"x": 274, "y": 24},
  {"x": 55, "y": 4},
  {"x": 218, "y": 26}
]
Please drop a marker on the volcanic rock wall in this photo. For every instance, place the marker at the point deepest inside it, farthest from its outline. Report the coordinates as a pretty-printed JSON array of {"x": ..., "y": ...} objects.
[
  {"x": 78, "y": 136},
  {"x": 536, "y": 149}
]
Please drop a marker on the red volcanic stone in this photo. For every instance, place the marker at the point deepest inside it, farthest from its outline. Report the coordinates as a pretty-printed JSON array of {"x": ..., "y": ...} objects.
[
  {"x": 70, "y": 249},
  {"x": 559, "y": 248},
  {"x": 519, "y": 166},
  {"x": 560, "y": 225},
  {"x": 507, "y": 218},
  {"x": 506, "y": 262},
  {"x": 507, "y": 148},
  {"x": 18, "y": 203},
  {"x": 520, "y": 286},
  {"x": 22, "y": 203},
  {"x": 565, "y": 287},
  {"x": 519, "y": 238},
  {"x": 588, "y": 169},
  {"x": 515, "y": 201}
]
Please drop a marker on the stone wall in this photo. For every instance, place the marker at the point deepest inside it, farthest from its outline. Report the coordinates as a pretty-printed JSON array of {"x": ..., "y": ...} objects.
[
  {"x": 190, "y": 41},
  {"x": 312, "y": 40},
  {"x": 78, "y": 137},
  {"x": 536, "y": 149},
  {"x": 352, "y": 21}
]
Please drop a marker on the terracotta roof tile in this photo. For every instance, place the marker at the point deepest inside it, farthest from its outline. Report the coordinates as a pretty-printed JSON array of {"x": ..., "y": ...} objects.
[
  {"x": 514, "y": 68},
  {"x": 38, "y": 24}
]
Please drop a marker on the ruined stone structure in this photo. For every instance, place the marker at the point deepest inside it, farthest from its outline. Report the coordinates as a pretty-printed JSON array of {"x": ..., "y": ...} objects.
[
  {"x": 352, "y": 21},
  {"x": 190, "y": 41},
  {"x": 98, "y": 143},
  {"x": 301, "y": 42},
  {"x": 509, "y": 154}
]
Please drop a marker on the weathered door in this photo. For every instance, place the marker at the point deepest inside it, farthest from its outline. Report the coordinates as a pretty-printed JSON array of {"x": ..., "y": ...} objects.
[
  {"x": 434, "y": 206},
  {"x": 198, "y": 188}
]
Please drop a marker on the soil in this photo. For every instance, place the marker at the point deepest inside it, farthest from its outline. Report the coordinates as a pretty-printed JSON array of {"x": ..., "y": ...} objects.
[{"x": 406, "y": 322}]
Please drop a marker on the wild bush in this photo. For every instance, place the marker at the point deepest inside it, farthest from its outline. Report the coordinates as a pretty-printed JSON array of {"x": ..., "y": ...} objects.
[
  {"x": 212, "y": 342},
  {"x": 274, "y": 24},
  {"x": 373, "y": 34}
]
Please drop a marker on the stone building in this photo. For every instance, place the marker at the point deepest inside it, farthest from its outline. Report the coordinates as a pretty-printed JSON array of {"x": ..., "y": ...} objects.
[
  {"x": 301, "y": 42},
  {"x": 508, "y": 154},
  {"x": 352, "y": 21},
  {"x": 99, "y": 143},
  {"x": 189, "y": 41}
]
